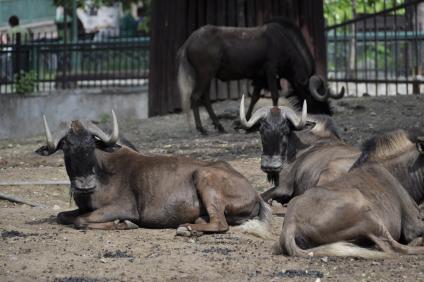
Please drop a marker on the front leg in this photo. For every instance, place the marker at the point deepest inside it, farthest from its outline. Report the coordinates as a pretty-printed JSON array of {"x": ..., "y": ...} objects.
[
  {"x": 108, "y": 217},
  {"x": 272, "y": 79}
]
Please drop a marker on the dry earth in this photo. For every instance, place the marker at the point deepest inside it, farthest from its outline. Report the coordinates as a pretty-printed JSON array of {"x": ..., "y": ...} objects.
[{"x": 34, "y": 247}]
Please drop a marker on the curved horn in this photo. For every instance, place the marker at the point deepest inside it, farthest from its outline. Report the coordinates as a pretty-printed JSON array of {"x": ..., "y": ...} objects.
[
  {"x": 51, "y": 144},
  {"x": 314, "y": 83},
  {"x": 260, "y": 113},
  {"x": 294, "y": 118},
  {"x": 336, "y": 96},
  {"x": 113, "y": 138}
]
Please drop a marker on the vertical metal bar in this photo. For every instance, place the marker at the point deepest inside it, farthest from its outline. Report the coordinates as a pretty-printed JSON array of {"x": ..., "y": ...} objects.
[
  {"x": 365, "y": 49},
  {"x": 346, "y": 54},
  {"x": 396, "y": 52},
  {"x": 385, "y": 47},
  {"x": 406, "y": 44},
  {"x": 417, "y": 68},
  {"x": 375, "y": 51}
]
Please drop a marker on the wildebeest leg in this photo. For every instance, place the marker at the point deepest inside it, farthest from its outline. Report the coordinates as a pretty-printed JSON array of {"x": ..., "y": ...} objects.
[
  {"x": 113, "y": 225},
  {"x": 275, "y": 193},
  {"x": 213, "y": 202},
  {"x": 68, "y": 217},
  {"x": 255, "y": 97},
  {"x": 212, "y": 115},
  {"x": 272, "y": 79},
  {"x": 200, "y": 89},
  {"x": 104, "y": 215},
  {"x": 385, "y": 242}
]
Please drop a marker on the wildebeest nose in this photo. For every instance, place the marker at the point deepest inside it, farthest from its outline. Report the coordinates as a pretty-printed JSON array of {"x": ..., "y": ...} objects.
[{"x": 271, "y": 163}]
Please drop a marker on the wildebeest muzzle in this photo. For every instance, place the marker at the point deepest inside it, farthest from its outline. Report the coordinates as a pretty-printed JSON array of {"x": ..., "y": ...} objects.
[
  {"x": 271, "y": 163},
  {"x": 83, "y": 184}
]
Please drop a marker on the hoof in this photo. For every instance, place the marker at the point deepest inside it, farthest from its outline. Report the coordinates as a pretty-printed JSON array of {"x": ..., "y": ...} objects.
[
  {"x": 186, "y": 231},
  {"x": 131, "y": 225},
  {"x": 80, "y": 226},
  {"x": 202, "y": 131},
  {"x": 183, "y": 231}
]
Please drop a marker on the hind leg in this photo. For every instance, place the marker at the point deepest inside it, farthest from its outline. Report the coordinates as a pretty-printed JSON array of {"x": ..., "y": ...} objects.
[
  {"x": 213, "y": 201},
  {"x": 384, "y": 240},
  {"x": 255, "y": 97},
  {"x": 212, "y": 115}
]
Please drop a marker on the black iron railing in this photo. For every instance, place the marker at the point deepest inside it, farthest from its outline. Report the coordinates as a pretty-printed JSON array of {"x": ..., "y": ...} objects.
[
  {"x": 378, "y": 53},
  {"x": 44, "y": 63}
]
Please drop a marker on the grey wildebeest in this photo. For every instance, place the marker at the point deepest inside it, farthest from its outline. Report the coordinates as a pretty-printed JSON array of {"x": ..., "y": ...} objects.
[
  {"x": 264, "y": 54},
  {"x": 115, "y": 187},
  {"x": 298, "y": 155},
  {"x": 374, "y": 203}
]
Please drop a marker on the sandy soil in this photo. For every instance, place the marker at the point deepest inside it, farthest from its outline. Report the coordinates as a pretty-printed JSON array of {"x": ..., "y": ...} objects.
[{"x": 34, "y": 247}]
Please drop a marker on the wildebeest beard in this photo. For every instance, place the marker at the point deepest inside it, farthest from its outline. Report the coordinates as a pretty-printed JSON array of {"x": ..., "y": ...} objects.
[{"x": 274, "y": 178}]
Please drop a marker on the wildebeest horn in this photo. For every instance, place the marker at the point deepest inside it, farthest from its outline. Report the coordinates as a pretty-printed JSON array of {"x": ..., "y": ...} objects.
[
  {"x": 260, "y": 113},
  {"x": 113, "y": 138},
  {"x": 336, "y": 96},
  {"x": 294, "y": 118},
  {"x": 314, "y": 83},
  {"x": 51, "y": 144}
]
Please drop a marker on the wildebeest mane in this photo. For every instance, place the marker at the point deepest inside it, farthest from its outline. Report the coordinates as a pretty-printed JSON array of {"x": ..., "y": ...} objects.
[
  {"x": 387, "y": 145},
  {"x": 300, "y": 42}
]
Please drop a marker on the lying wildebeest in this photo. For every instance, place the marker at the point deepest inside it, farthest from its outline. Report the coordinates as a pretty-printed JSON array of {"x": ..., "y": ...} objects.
[
  {"x": 263, "y": 54},
  {"x": 116, "y": 187},
  {"x": 375, "y": 203},
  {"x": 300, "y": 154}
]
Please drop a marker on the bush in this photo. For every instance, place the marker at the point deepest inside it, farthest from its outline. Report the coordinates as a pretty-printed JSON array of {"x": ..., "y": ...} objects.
[{"x": 25, "y": 82}]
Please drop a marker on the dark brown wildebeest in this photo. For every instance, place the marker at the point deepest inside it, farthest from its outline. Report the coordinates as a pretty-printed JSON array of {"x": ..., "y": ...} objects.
[
  {"x": 375, "y": 203},
  {"x": 297, "y": 158},
  {"x": 115, "y": 187},
  {"x": 264, "y": 54}
]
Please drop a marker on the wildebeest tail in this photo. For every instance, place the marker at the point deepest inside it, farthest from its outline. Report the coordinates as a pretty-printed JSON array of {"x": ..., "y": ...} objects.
[
  {"x": 185, "y": 80},
  {"x": 260, "y": 227},
  {"x": 288, "y": 246}
]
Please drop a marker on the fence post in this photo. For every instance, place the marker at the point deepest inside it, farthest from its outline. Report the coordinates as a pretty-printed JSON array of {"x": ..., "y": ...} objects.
[
  {"x": 17, "y": 63},
  {"x": 417, "y": 78}
]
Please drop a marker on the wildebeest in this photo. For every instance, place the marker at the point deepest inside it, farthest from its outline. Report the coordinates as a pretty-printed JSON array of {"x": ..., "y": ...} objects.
[
  {"x": 263, "y": 54},
  {"x": 375, "y": 203},
  {"x": 297, "y": 158},
  {"x": 115, "y": 187}
]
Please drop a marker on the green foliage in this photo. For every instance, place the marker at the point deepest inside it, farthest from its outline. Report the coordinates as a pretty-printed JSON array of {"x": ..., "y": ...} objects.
[
  {"x": 337, "y": 11},
  {"x": 104, "y": 118},
  {"x": 25, "y": 82}
]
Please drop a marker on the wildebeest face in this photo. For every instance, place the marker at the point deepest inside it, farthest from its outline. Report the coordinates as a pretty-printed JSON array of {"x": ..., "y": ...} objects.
[
  {"x": 274, "y": 131},
  {"x": 80, "y": 161},
  {"x": 79, "y": 145},
  {"x": 276, "y": 126}
]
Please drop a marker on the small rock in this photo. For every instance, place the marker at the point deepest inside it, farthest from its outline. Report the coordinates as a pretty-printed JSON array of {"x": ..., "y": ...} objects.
[
  {"x": 373, "y": 114},
  {"x": 103, "y": 260},
  {"x": 56, "y": 207},
  {"x": 324, "y": 259}
]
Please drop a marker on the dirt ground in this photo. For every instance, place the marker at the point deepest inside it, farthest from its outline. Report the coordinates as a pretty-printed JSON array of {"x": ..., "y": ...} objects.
[{"x": 34, "y": 247}]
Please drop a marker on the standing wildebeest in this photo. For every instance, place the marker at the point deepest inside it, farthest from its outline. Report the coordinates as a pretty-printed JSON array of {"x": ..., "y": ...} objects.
[
  {"x": 116, "y": 187},
  {"x": 263, "y": 54},
  {"x": 376, "y": 202},
  {"x": 300, "y": 156}
]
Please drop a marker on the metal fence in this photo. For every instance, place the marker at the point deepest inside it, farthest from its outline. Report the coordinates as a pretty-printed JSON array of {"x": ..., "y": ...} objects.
[
  {"x": 44, "y": 62},
  {"x": 378, "y": 53}
]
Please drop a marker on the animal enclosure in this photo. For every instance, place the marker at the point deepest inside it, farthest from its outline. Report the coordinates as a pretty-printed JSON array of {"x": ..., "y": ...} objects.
[{"x": 379, "y": 51}]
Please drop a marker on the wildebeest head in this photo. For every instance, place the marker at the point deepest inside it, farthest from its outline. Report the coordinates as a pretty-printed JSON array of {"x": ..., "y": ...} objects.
[
  {"x": 78, "y": 145},
  {"x": 276, "y": 124}
]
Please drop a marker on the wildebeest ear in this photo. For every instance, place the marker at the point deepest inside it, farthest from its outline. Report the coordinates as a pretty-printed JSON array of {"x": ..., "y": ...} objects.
[
  {"x": 106, "y": 147},
  {"x": 420, "y": 144},
  {"x": 309, "y": 125},
  {"x": 44, "y": 151}
]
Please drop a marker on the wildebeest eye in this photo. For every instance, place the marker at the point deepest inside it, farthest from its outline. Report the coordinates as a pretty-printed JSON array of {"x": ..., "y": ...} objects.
[{"x": 420, "y": 147}]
